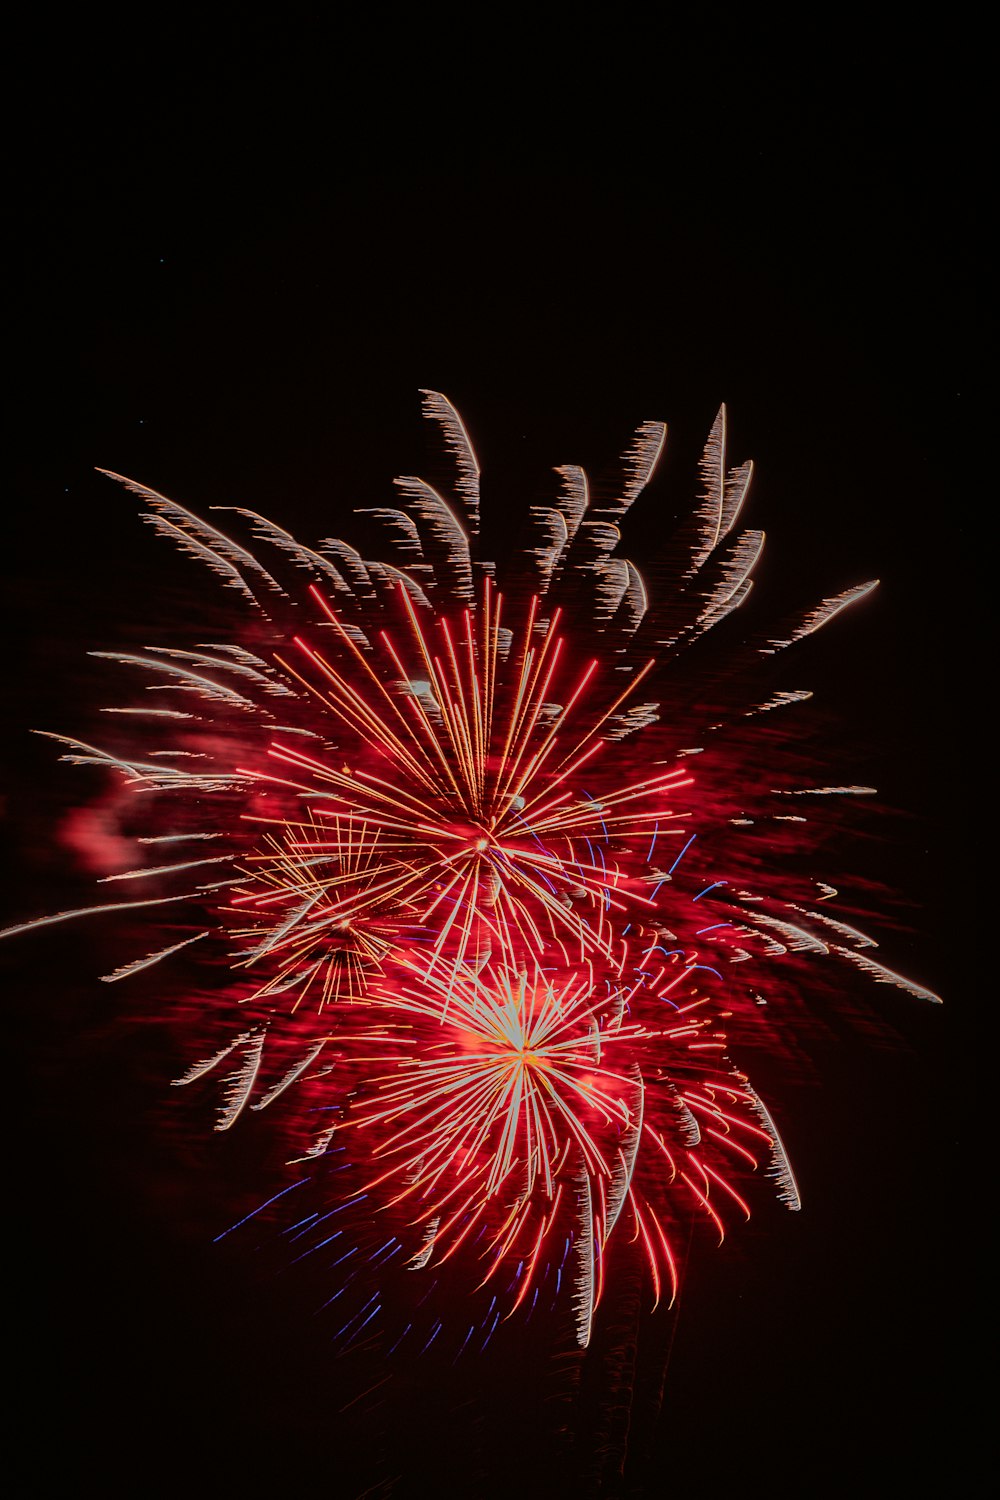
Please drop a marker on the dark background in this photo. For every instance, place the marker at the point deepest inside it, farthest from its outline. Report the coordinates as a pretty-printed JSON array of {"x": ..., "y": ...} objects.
[{"x": 237, "y": 264}]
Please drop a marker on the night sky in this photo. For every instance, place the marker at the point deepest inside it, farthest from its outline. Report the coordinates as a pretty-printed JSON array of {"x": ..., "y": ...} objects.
[{"x": 231, "y": 285}]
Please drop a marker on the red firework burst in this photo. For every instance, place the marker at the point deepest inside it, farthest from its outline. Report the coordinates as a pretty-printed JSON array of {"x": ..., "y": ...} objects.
[{"x": 446, "y": 825}]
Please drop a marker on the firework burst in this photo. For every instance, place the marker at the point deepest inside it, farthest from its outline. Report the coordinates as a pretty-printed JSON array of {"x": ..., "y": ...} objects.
[{"x": 433, "y": 833}]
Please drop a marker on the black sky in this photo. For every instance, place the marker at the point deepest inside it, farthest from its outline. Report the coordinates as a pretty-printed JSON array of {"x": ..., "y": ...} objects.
[{"x": 232, "y": 278}]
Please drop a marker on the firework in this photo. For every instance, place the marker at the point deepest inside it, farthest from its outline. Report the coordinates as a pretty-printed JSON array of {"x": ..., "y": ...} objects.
[{"x": 430, "y": 824}]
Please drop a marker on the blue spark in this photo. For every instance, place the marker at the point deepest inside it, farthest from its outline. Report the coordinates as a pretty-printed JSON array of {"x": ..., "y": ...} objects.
[
  {"x": 681, "y": 855},
  {"x": 260, "y": 1209}
]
